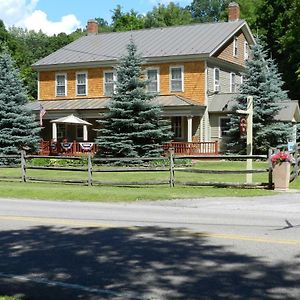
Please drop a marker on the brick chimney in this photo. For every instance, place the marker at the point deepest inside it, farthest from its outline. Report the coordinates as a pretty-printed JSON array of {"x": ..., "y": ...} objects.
[
  {"x": 92, "y": 27},
  {"x": 233, "y": 12}
]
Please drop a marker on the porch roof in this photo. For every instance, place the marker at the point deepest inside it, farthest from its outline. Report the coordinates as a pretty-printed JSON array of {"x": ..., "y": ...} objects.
[
  {"x": 102, "y": 103},
  {"x": 224, "y": 103}
]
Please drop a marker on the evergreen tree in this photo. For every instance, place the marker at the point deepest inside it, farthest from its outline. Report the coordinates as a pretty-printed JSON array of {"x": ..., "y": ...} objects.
[
  {"x": 262, "y": 81},
  {"x": 133, "y": 126},
  {"x": 18, "y": 128}
]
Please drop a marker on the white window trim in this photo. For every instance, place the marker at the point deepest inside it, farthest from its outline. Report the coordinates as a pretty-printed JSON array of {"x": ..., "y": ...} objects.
[
  {"x": 231, "y": 91},
  {"x": 182, "y": 78},
  {"x": 235, "y": 46},
  {"x": 246, "y": 50},
  {"x": 86, "y": 83},
  {"x": 217, "y": 88},
  {"x": 114, "y": 79},
  {"x": 158, "y": 76},
  {"x": 66, "y": 82},
  {"x": 220, "y": 131}
]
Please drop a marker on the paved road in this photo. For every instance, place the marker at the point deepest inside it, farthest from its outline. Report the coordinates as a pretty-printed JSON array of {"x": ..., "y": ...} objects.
[{"x": 220, "y": 248}]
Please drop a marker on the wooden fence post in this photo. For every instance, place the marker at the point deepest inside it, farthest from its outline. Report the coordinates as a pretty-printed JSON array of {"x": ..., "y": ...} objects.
[
  {"x": 172, "y": 175},
  {"x": 23, "y": 165},
  {"x": 90, "y": 170},
  {"x": 270, "y": 180}
]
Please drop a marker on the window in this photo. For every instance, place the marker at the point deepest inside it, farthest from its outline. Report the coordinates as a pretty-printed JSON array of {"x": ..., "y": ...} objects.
[
  {"x": 79, "y": 132},
  {"x": 153, "y": 80},
  {"x": 216, "y": 80},
  {"x": 61, "y": 85},
  {"x": 224, "y": 126},
  {"x": 235, "y": 46},
  {"x": 176, "y": 79},
  {"x": 177, "y": 127},
  {"x": 109, "y": 84},
  {"x": 246, "y": 51},
  {"x": 81, "y": 84},
  {"x": 232, "y": 83},
  {"x": 61, "y": 131}
]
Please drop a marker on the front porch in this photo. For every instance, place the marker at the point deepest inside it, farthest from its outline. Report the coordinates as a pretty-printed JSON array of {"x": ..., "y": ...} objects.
[{"x": 77, "y": 148}]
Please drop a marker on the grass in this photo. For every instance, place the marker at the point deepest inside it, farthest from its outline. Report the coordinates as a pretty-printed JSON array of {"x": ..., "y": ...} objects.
[
  {"x": 54, "y": 191},
  {"x": 8, "y": 298}
]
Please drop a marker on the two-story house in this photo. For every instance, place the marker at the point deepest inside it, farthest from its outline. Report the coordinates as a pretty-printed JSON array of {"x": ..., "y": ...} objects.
[{"x": 191, "y": 68}]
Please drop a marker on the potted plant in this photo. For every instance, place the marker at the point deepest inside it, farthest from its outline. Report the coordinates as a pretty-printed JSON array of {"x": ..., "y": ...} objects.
[{"x": 281, "y": 170}]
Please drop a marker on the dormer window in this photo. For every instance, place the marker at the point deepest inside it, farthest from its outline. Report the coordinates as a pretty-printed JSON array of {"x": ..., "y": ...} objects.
[
  {"x": 216, "y": 80},
  {"x": 81, "y": 84},
  {"x": 176, "y": 79},
  {"x": 61, "y": 84},
  {"x": 246, "y": 51},
  {"x": 152, "y": 75},
  {"x": 235, "y": 46},
  {"x": 109, "y": 83}
]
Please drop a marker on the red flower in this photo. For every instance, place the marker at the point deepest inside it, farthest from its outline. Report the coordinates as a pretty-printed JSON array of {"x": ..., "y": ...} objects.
[{"x": 280, "y": 157}]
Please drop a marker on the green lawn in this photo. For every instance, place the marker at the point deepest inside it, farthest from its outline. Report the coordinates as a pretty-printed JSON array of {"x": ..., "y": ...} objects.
[{"x": 55, "y": 191}]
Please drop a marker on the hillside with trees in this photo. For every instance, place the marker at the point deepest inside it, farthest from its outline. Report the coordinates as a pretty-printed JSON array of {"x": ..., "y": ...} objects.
[{"x": 275, "y": 21}]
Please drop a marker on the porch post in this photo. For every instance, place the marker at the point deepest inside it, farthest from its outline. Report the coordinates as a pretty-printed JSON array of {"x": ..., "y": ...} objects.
[
  {"x": 190, "y": 129},
  {"x": 85, "y": 133},
  {"x": 54, "y": 132}
]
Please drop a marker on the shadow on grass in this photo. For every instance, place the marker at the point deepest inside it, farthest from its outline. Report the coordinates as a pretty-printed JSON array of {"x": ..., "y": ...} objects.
[{"x": 146, "y": 263}]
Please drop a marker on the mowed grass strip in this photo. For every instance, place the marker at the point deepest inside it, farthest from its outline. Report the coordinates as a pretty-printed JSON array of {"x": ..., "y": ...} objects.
[{"x": 55, "y": 191}]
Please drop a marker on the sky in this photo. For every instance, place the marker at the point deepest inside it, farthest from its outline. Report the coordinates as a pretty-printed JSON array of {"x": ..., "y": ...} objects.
[{"x": 55, "y": 16}]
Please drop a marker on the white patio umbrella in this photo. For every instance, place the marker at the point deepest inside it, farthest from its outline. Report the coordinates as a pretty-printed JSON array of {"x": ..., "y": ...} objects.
[{"x": 71, "y": 119}]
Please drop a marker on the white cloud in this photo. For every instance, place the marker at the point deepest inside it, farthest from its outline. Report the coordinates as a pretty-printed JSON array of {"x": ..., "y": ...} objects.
[{"x": 23, "y": 13}]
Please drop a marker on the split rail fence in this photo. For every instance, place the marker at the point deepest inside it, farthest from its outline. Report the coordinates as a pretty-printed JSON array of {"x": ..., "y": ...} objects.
[{"x": 95, "y": 165}]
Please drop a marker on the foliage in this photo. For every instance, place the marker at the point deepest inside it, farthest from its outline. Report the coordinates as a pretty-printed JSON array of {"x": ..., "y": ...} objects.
[
  {"x": 279, "y": 23},
  {"x": 167, "y": 15},
  {"x": 18, "y": 129},
  {"x": 126, "y": 21},
  {"x": 280, "y": 157},
  {"x": 208, "y": 11},
  {"x": 262, "y": 81},
  {"x": 133, "y": 126}
]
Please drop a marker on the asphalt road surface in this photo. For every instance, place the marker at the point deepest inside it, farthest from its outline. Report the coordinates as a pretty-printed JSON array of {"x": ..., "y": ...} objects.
[{"x": 210, "y": 248}]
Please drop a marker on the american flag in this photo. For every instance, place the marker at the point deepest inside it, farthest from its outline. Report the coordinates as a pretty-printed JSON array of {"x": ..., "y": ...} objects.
[{"x": 42, "y": 113}]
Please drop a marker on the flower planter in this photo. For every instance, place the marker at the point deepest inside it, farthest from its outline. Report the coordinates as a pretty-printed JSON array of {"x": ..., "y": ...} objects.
[{"x": 281, "y": 176}]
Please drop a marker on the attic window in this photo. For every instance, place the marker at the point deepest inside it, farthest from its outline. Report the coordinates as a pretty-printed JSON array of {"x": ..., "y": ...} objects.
[
  {"x": 235, "y": 46},
  {"x": 81, "y": 84}
]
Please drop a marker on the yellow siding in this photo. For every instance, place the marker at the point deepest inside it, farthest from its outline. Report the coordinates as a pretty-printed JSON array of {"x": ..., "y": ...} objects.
[{"x": 194, "y": 82}]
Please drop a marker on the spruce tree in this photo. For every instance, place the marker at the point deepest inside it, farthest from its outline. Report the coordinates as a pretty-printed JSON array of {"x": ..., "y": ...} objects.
[
  {"x": 132, "y": 127},
  {"x": 262, "y": 81},
  {"x": 18, "y": 128}
]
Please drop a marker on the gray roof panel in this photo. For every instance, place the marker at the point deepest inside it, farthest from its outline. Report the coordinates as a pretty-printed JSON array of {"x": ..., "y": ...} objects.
[
  {"x": 197, "y": 39},
  {"x": 102, "y": 103}
]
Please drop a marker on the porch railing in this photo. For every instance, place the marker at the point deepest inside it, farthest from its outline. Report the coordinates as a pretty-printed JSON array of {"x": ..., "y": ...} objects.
[
  {"x": 77, "y": 148},
  {"x": 67, "y": 148},
  {"x": 193, "y": 148}
]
